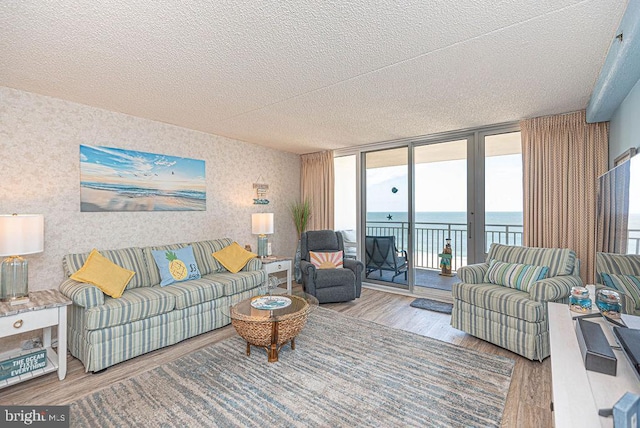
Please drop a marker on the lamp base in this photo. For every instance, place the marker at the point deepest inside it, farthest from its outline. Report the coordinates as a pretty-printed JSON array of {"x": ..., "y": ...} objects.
[
  {"x": 13, "y": 279},
  {"x": 262, "y": 245}
]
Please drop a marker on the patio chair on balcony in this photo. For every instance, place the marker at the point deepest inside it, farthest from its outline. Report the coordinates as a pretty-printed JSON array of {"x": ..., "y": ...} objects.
[{"x": 381, "y": 254}]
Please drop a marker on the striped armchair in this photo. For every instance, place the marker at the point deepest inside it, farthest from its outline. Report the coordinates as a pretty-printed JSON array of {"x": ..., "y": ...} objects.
[
  {"x": 514, "y": 316},
  {"x": 622, "y": 273}
]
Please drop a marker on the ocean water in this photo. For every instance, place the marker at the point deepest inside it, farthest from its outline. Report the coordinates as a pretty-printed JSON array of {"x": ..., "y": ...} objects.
[{"x": 451, "y": 217}]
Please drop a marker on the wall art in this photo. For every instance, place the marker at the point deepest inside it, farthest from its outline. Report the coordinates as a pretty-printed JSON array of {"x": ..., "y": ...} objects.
[{"x": 114, "y": 179}]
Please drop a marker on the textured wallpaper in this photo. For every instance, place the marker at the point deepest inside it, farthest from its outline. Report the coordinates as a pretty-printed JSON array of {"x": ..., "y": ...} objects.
[{"x": 40, "y": 139}]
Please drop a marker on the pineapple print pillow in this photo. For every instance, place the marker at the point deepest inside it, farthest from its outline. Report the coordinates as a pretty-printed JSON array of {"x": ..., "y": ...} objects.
[{"x": 176, "y": 265}]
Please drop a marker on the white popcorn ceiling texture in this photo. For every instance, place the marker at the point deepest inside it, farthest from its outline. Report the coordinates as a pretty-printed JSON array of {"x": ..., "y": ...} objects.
[{"x": 303, "y": 76}]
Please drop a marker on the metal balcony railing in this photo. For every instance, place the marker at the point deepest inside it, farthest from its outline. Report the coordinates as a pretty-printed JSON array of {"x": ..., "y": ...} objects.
[{"x": 430, "y": 239}]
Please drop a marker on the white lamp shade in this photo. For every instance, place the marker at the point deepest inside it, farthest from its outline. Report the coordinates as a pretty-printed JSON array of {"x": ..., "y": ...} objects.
[
  {"x": 21, "y": 234},
  {"x": 262, "y": 223}
]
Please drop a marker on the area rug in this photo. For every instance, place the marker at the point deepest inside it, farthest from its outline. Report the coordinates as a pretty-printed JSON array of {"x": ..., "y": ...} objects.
[
  {"x": 344, "y": 372},
  {"x": 432, "y": 305}
]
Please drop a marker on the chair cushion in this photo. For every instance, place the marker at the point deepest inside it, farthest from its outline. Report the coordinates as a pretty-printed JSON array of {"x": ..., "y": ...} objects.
[
  {"x": 560, "y": 261},
  {"x": 134, "y": 305},
  {"x": 334, "y": 277},
  {"x": 327, "y": 259},
  {"x": 322, "y": 240},
  {"x": 497, "y": 298},
  {"x": 627, "y": 284},
  {"x": 514, "y": 275}
]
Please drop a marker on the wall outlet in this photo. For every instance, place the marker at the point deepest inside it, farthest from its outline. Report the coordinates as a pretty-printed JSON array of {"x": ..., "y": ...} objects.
[{"x": 268, "y": 248}]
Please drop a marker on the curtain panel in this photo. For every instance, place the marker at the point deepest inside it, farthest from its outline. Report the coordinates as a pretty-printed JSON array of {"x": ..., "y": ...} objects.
[
  {"x": 613, "y": 210},
  {"x": 563, "y": 156},
  {"x": 317, "y": 181}
]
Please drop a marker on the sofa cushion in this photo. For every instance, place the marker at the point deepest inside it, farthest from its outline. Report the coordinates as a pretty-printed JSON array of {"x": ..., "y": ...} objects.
[
  {"x": 626, "y": 264},
  {"x": 134, "y": 305},
  {"x": 176, "y": 265},
  {"x": 234, "y": 283},
  {"x": 129, "y": 258},
  {"x": 203, "y": 252},
  {"x": 497, "y": 298},
  {"x": 154, "y": 273},
  {"x": 514, "y": 275},
  {"x": 560, "y": 261},
  {"x": 195, "y": 291},
  {"x": 98, "y": 270},
  {"x": 233, "y": 257}
]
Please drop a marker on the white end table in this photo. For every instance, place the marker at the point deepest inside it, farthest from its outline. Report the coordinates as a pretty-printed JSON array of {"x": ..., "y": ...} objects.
[
  {"x": 46, "y": 308},
  {"x": 274, "y": 264}
]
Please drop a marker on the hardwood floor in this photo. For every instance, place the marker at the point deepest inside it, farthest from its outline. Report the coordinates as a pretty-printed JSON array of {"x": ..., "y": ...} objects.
[{"x": 527, "y": 402}]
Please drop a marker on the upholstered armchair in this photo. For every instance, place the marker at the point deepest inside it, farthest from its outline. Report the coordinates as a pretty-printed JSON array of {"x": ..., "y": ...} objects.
[
  {"x": 514, "y": 315},
  {"x": 329, "y": 285},
  {"x": 622, "y": 273}
]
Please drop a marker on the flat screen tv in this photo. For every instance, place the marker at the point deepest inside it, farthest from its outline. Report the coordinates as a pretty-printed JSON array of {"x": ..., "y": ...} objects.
[{"x": 618, "y": 210}]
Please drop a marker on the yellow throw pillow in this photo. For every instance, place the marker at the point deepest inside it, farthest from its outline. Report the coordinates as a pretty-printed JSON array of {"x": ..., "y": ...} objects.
[
  {"x": 233, "y": 257},
  {"x": 104, "y": 274}
]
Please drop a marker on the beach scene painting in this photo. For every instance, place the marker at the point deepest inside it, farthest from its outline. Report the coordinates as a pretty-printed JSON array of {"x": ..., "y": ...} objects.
[{"x": 114, "y": 179}]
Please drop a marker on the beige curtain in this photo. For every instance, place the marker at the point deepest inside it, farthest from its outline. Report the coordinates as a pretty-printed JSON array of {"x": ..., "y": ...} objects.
[
  {"x": 317, "y": 182},
  {"x": 562, "y": 159}
]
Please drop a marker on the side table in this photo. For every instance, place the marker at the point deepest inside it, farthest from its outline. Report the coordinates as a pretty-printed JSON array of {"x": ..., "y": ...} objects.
[
  {"x": 46, "y": 308},
  {"x": 276, "y": 264}
]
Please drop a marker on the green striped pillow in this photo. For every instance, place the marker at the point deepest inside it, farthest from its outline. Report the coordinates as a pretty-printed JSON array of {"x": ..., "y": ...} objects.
[
  {"x": 627, "y": 284},
  {"x": 514, "y": 275}
]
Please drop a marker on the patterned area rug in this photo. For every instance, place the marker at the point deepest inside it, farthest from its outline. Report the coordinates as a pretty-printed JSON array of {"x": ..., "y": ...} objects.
[
  {"x": 432, "y": 305},
  {"x": 345, "y": 372}
]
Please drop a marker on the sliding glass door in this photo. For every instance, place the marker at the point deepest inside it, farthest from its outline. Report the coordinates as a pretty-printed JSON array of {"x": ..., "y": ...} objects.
[
  {"x": 440, "y": 171},
  {"x": 386, "y": 217},
  {"x": 425, "y": 208}
]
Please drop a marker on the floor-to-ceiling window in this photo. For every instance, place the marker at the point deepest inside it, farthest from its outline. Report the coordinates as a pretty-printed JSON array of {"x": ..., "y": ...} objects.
[{"x": 412, "y": 196}]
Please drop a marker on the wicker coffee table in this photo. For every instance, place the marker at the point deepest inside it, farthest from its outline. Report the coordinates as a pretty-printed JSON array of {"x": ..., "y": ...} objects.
[{"x": 272, "y": 329}]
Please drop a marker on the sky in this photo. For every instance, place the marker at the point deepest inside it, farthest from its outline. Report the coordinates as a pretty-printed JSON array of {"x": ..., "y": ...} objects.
[
  {"x": 146, "y": 170},
  {"x": 441, "y": 186}
]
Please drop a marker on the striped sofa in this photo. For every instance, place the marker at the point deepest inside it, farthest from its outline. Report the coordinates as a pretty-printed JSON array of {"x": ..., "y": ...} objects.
[
  {"x": 103, "y": 331},
  {"x": 508, "y": 317},
  {"x": 619, "y": 264}
]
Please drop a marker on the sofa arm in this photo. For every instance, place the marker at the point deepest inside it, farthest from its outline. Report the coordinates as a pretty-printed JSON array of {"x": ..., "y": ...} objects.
[
  {"x": 253, "y": 264},
  {"x": 552, "y": 289},
  {"x": 82, "y": 294},
  {"x": 473, "y": 274}
]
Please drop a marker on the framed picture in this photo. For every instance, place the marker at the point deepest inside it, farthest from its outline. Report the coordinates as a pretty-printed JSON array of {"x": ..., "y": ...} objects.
[
  {"x": 625, "y": 156},
  {"x": 125, "y": 180}
]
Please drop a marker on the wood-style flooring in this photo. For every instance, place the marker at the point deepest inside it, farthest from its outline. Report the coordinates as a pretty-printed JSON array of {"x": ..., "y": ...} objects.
[{"x": 527, "y": 402}]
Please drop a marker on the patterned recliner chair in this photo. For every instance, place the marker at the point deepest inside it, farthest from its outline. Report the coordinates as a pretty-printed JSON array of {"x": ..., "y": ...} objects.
[
  {"x": 622, "y": 273},
  {"x": 512, "y": 318}
]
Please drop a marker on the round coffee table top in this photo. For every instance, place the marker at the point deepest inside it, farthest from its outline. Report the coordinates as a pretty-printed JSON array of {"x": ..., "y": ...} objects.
[{"x": 300, "y": 303}]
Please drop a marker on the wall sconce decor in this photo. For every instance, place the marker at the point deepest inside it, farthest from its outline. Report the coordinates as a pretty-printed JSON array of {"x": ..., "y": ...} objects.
[{"x": 19, "y": 235}]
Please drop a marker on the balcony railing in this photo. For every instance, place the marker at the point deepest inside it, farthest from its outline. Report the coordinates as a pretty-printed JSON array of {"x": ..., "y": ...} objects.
[{"x": 430, "y": 239}]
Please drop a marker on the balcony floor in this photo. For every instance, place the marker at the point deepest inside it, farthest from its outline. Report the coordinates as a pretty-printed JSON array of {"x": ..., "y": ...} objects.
[{"x": 424, "y": 278}]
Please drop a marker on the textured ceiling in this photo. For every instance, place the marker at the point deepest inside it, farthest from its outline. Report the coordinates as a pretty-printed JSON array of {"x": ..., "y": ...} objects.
[{"x": 308, "y": 75}]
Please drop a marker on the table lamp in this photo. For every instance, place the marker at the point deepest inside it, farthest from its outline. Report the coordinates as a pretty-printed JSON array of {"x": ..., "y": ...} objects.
[
  {"x": 19, "y": 235},
  {"x": 261, "y": 225}
]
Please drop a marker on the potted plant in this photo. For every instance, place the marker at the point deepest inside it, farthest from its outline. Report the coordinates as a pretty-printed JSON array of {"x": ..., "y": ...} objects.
[{"x": 301, "y": 212}]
